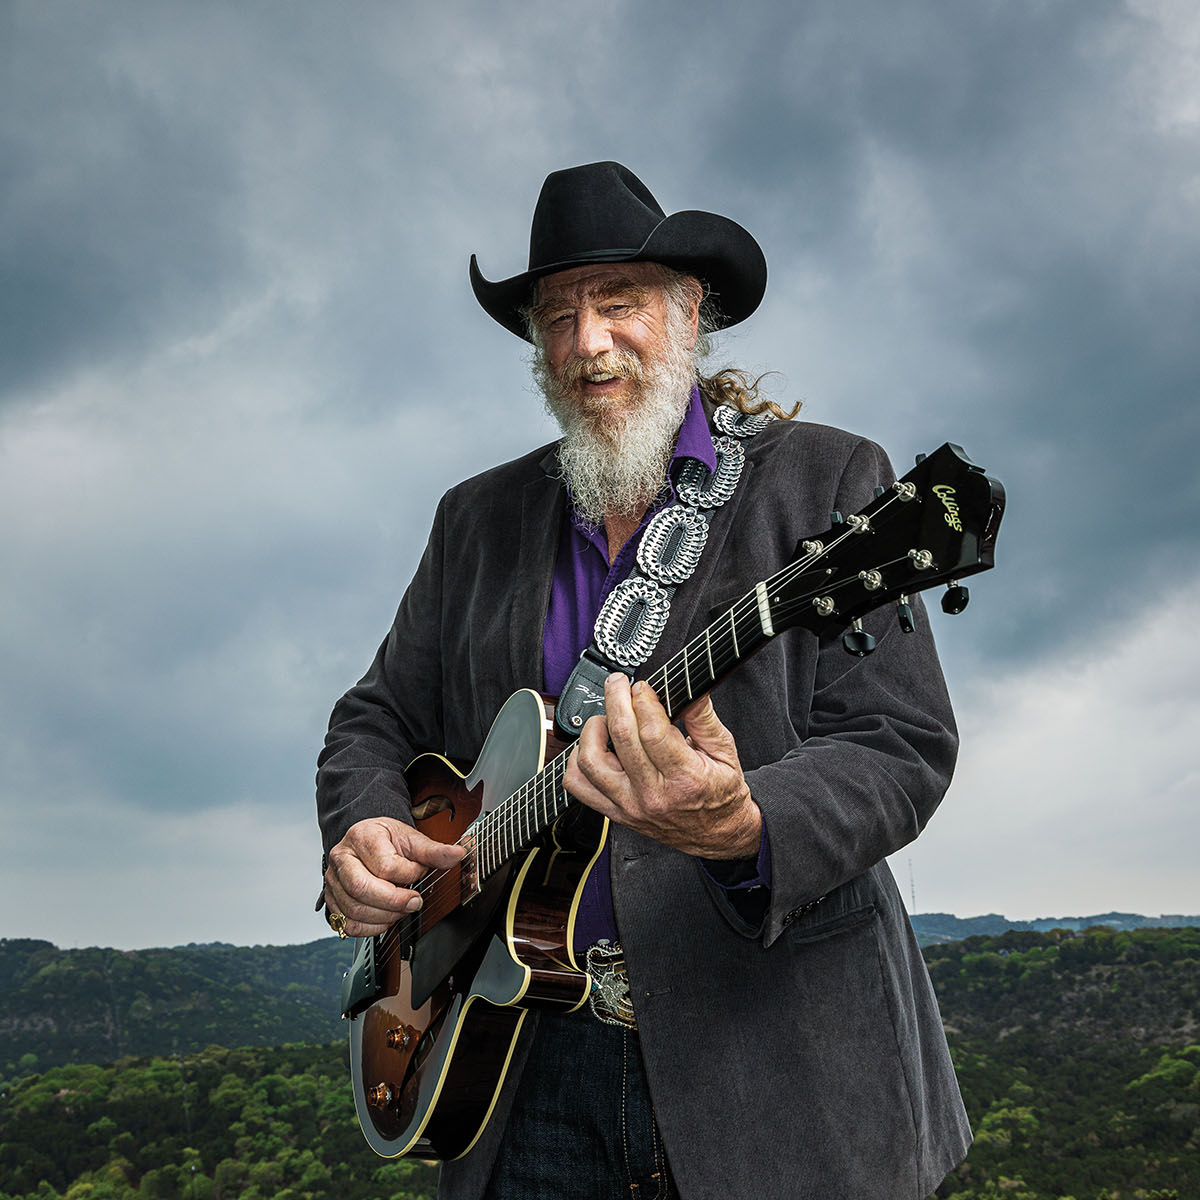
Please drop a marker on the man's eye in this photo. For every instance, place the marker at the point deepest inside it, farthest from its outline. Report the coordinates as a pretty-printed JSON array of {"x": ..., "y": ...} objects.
[
  {"x": 618, "y": 309},
  {"x": 561, "y": 321}
]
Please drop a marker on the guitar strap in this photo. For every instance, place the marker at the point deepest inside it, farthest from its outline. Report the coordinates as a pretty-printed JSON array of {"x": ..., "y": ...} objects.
[{"x": 632, "y": 618}]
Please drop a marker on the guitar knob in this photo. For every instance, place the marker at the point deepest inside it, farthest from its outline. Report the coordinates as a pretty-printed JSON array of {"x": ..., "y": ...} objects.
[
  {"x": 399, "y": 1037},
  {"x": 904, "y": 615},
  {"x": 857, "y": 641},
  {"x": 380, "y": 1096},
  {"x": 956, "y": 598}
]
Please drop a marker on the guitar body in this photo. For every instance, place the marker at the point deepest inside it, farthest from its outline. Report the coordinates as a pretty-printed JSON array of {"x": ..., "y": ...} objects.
[{"x": 429, "y": 1054}]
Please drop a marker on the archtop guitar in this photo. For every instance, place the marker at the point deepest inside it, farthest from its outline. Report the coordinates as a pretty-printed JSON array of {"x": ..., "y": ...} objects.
[{"x": 436, "y": 1003}]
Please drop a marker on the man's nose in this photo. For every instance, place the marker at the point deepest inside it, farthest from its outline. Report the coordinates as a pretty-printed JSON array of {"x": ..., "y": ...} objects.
[{"x": 592, "y": 335}]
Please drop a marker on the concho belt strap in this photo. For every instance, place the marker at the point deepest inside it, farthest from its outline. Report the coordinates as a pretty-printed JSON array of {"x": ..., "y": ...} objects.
[{"x": 633, "y": 617}]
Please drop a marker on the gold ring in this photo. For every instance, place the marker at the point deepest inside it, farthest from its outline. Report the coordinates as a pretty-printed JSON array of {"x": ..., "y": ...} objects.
[{"x": 337, "y": 922}]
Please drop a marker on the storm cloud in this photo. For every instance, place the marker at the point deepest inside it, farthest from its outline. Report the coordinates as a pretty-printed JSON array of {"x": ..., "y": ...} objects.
[{"x": 239, "y": 363}]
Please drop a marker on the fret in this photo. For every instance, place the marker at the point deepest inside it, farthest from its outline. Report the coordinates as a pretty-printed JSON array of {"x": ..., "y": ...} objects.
[
  {"x": 712, "y": 671},
  {"x": 733, "y": 633},
  {"x": 666, "y": 692},
  {"x": 687, "y": 675}
]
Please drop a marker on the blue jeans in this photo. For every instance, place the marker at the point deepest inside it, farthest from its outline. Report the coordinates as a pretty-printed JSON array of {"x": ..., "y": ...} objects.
[{"x": 582, "y": 1125}]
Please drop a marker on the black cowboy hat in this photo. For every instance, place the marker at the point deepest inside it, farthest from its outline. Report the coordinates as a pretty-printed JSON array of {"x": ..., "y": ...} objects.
[{"x": 601, "y": 213}]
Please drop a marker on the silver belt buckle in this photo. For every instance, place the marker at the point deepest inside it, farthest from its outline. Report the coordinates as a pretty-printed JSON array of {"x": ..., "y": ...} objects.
[{"x": 609, "y": 998}]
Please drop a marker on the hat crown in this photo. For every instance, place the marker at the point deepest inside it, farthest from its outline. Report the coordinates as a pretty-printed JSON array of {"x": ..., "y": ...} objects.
[
  {"x": 597, "y": 210},
  {"x": 603, "y": 213}
]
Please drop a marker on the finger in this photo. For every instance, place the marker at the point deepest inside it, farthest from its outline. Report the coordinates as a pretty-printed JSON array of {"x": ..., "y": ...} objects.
[
  {"x": 397, "y": 852},
  {"x": 707, "y": 732},
  {"x": 360, "y": 915},
  {"x": 580, "y": 787},
  {"x": 663, "y": 745},
  {"x": 593, "y": 757},
  {"x": 624, "y": 732},
  {"x": 594, "y": 744},
  {"x": 419, "y": 848},
  {"x": 357, "y": 885}
]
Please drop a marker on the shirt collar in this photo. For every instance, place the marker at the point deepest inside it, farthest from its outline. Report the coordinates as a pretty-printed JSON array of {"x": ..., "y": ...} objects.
[{"x": 694, "y": 440}]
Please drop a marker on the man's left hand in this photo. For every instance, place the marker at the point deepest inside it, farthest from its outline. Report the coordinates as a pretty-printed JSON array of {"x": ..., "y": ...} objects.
[{"x": 636, "y": 768}]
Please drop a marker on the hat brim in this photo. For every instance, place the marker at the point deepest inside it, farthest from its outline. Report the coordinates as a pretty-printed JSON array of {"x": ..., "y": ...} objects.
[{"x": 718, "y": 251}]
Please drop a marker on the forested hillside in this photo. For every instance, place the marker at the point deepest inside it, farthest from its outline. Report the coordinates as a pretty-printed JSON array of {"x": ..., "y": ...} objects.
[
  {"x": 97, "y": 1005},
  {"x": 1078, "y": 1054},
  {"x": 257, "y": 1124},
  {"x": 1078, "y": 1059}
]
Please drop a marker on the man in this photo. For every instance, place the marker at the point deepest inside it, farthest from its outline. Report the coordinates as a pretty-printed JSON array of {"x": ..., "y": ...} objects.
[{"x": 773, "y": 1032}]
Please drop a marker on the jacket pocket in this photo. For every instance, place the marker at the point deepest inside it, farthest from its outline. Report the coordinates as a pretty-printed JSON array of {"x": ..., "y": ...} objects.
[{"x": 817, "y": 926}]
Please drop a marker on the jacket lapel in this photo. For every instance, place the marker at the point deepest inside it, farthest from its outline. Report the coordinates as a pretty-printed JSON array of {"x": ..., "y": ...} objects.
[{"x": 541, "y": 518}]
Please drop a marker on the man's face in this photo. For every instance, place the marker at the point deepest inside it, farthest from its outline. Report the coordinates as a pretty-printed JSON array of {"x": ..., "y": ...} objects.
[
  {"x": 616, "y": 364},
  {"x": 604, "y": 333}
]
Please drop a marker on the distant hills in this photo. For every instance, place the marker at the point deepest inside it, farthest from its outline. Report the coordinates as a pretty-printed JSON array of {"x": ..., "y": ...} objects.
[
  {"x": 98, "y": 1005},
  {"x": 945, "y": 927}
]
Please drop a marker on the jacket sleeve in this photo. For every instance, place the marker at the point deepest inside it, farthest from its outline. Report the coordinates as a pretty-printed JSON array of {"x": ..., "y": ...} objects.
[
  {"x": 876, "y": 750},
  {"x": 392, "y": 714}
]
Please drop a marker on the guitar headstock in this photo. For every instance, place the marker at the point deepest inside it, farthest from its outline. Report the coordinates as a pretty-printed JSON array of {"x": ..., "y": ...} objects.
[{"x": 936, "y": 525}]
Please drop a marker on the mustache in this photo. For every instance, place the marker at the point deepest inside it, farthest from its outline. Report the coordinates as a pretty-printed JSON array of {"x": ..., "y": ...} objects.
[{"x": 624, "y": 364}]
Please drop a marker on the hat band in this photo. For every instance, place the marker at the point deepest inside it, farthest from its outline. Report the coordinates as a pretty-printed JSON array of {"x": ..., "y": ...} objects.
[{"x": 585, "y": 256}]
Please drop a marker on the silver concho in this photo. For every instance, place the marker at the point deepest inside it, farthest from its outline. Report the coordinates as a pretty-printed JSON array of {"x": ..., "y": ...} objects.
[
  {"x": 696, "y": 486},
  {"x": 631, "y": 621},
  {"x": 740, "y": 424},
  {"x": 672, "y": 544}
]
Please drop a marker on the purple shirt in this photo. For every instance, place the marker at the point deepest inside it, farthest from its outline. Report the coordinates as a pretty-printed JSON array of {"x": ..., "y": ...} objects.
[{"x": 583, "y": 579}]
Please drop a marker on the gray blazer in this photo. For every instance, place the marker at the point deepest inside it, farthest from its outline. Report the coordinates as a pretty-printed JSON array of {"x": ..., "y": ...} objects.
[{"x": 800, "y": 1057}]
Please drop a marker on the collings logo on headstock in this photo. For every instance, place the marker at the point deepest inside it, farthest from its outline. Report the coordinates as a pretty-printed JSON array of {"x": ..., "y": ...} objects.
[{"x": 945, "y": 493}]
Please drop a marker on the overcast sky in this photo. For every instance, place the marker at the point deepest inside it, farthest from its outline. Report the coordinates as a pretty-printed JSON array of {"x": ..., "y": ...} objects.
[{"x": 240, "y": 362}]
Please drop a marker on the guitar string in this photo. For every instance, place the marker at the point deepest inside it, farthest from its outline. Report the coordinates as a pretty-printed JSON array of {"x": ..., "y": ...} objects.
[{"x": 500, "y": 820}]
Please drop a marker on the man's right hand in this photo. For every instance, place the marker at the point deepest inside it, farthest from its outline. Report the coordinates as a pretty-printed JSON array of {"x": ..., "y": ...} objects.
[{"x": 372, "y": 871}]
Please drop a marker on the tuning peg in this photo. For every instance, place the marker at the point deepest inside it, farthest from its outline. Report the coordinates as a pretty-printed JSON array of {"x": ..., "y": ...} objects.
[
  {"x": 956, "y": 598},
  {"x": 904, "y": 615},
  {"x": 857, "y": 641},
  {"x": 920, "y": 459},
  {"x": 836, "y": 518},
  {"x": 879, "y": 491}
]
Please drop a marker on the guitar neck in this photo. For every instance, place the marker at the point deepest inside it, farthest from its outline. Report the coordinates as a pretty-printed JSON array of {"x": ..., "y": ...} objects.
[{"x": 714, "y": 653}]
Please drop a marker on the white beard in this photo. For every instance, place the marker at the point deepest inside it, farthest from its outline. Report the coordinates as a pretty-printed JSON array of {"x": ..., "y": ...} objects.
[{"x": 614, "y": 454}]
